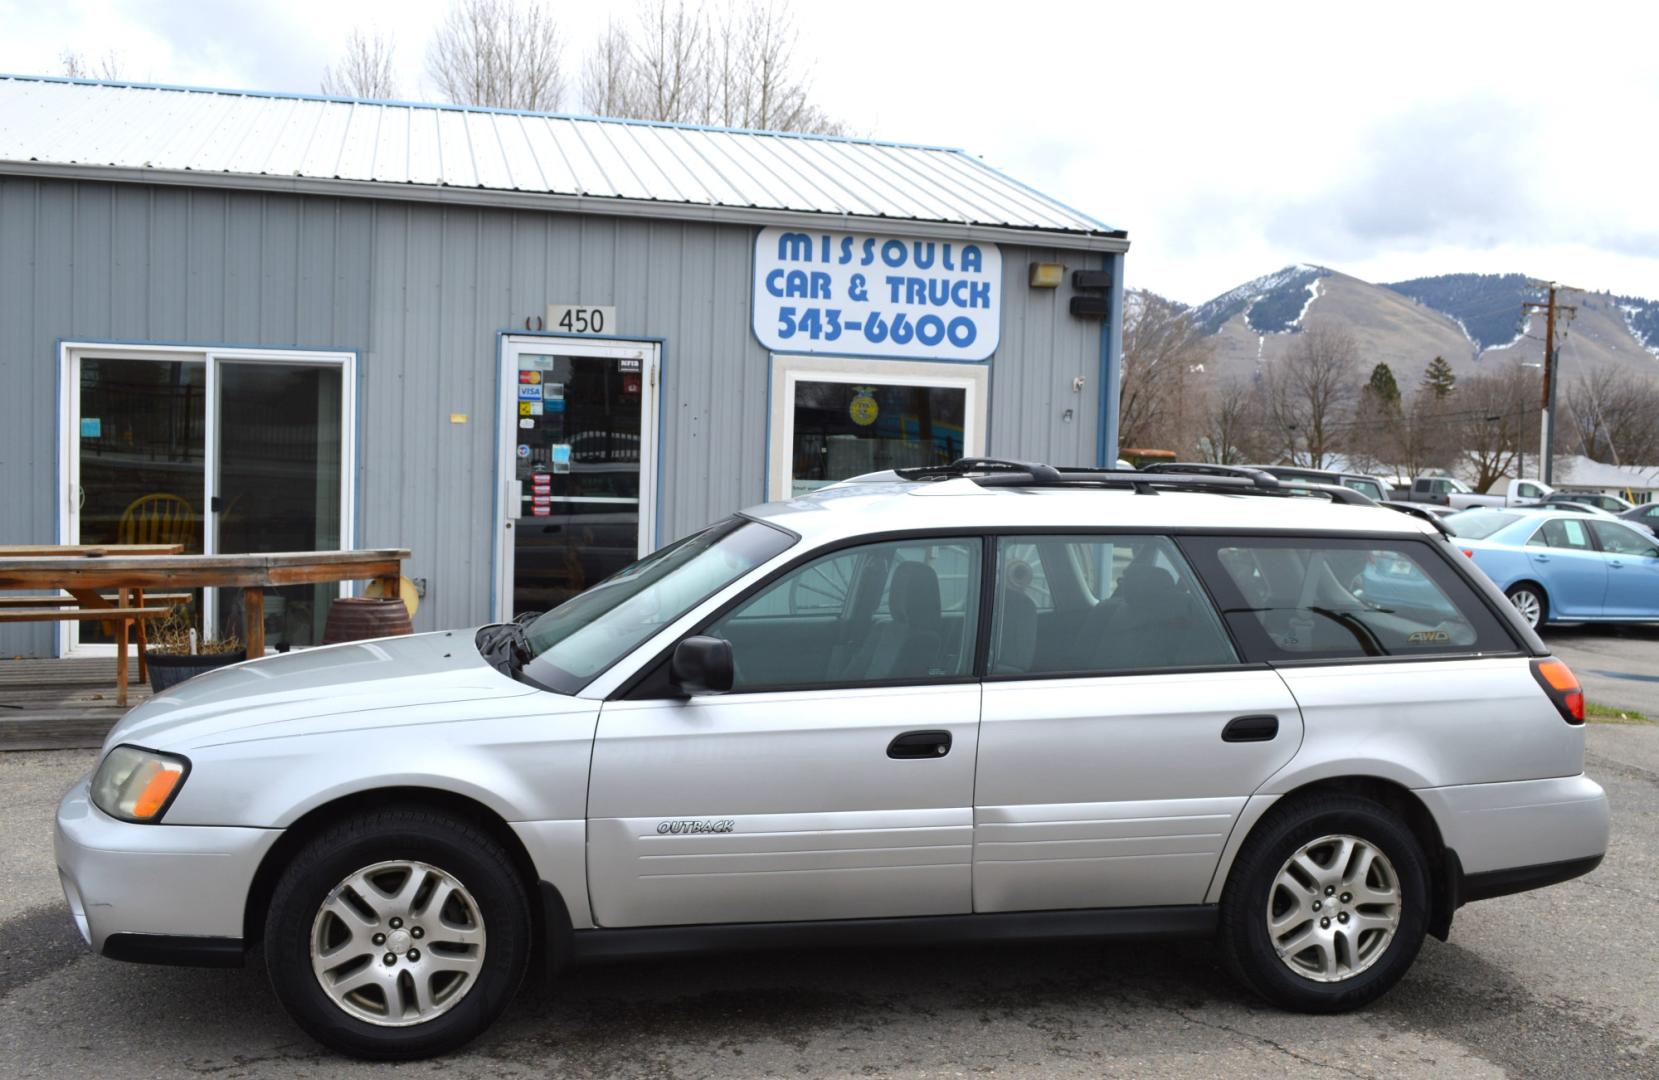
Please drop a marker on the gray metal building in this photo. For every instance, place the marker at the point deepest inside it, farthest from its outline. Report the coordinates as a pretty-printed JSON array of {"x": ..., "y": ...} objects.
[{"x": 527, "y": 347}]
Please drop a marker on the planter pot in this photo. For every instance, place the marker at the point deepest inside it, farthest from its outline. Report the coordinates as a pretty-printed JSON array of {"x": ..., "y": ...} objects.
[
  {"x": 170, "y": 669},
  {"x": 358, "y": 618}
]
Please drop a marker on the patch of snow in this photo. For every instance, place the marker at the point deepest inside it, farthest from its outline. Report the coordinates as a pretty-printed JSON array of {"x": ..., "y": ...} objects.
[
  {"x": 1630, "y": 311},
  {"x": 1313, "y": 294},
  {"x": 1526, "y": 324}
]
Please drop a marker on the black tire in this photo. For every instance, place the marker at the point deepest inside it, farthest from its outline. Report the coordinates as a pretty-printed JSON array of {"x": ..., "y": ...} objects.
[
  {"x": 1537, "y": 594},
  {"x": 457, "y": 847},
  {"x": 1246, "y": 945}
]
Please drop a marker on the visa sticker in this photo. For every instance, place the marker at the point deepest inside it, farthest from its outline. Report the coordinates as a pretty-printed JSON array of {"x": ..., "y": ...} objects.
[{"x": 530, "y": 392}]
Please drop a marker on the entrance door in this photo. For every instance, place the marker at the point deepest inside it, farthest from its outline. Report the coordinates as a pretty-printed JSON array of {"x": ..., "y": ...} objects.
[
  {"x": 579, "y": 447},
  {"x": 221, "y": 451}
]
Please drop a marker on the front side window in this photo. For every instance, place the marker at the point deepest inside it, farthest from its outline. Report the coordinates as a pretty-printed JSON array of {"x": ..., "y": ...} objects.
[
  {"x": 1528, "y": 491},
  {"x": 905, "y": 611},
  {"x": 1136, "y": 606},
  {"x": 1365, "y": 486},
  {"x": 579, "y": 639},
  {"x": 1619, "y": 540},
  {"x": 1293, "y": 599}
]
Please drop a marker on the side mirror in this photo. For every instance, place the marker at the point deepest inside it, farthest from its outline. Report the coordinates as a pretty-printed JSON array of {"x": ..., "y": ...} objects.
[{"x": 701, "y": 665}]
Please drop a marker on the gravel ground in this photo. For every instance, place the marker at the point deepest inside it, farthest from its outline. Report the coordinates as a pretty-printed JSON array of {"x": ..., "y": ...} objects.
[{"x": 1557, "y": 983}]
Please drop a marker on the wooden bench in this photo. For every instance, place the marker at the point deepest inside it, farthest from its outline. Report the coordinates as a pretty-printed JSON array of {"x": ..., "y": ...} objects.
[{"x": 116, "y": 613}]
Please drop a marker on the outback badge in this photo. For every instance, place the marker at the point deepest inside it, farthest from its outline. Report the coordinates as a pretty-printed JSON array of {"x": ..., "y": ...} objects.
[{"x": 695, "y": 825}]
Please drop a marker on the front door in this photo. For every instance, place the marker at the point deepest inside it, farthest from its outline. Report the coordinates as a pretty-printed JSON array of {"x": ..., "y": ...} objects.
[
  {"x": 834, "y": 782},
  {"x": 578, "y": 442},
  {"x": 1573, "y": 572}
]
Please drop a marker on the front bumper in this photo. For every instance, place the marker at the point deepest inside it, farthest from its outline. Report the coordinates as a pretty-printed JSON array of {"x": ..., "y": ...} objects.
[
  {"x": 155, "y": 892},
  {"x": 1522, "y": 835}
]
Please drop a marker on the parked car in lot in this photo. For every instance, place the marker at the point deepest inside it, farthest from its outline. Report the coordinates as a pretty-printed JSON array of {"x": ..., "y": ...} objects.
[
  {"x": 1514, "y": 493},
  {"x": 1565, "y": 566},
  {"x": 1609, "y": 504},
  {"x": 984, "y": 701},
  {"x": 1646, "y": 515}
]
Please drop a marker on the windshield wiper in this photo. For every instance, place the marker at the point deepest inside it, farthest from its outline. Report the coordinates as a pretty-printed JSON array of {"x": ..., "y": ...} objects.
[
  {"x": 505, "y": 647},
  {"x": 1367, "y": 638}
]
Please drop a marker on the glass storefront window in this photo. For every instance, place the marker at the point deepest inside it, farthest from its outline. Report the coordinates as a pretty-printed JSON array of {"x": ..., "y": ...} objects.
[{"x": 845, "y": 429}]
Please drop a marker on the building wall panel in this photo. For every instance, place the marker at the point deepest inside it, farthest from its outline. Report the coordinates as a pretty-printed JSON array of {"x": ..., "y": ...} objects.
[{"x": 421, "y": 292}]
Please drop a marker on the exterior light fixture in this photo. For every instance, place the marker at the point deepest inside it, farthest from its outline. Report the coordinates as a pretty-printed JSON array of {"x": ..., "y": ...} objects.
[{"x": 1047, "y": 275}]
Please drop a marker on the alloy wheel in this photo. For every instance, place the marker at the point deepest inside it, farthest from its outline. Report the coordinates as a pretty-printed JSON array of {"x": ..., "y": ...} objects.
[
  {"x": 1333, "y": 908},
  {"x": 397, "y": 943},
  {"x": 1527, "y": 603}
]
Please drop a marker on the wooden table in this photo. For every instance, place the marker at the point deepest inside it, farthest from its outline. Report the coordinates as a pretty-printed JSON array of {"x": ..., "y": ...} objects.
[{"x": 253, "y": 573}]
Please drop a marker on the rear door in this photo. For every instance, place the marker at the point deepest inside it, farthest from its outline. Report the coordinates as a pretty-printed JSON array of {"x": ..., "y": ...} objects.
[
  {"x": 1566, "y": 563},
  {"x": 1114, "y": 756},
  {"x": 835, "y": 781}
]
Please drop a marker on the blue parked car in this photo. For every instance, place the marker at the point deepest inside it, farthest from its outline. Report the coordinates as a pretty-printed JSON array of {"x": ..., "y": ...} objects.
[{"x": 1560, "y": 566}]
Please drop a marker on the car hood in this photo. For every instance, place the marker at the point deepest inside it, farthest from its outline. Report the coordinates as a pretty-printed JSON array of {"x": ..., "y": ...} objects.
[{"x": 355, "y": 685}]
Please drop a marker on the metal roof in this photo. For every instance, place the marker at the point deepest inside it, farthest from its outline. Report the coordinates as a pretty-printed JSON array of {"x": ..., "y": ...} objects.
[{"x": 300, "y": 142}]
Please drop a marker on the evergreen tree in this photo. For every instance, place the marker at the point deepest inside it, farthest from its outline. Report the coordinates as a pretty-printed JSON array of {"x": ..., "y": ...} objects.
[
  {"x": 1382, "y": 386},
  {"x": 1439, "y": 378}
]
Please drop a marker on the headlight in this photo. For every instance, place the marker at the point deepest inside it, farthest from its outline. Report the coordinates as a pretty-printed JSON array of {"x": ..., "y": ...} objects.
[{"x": 135, "y": 784}]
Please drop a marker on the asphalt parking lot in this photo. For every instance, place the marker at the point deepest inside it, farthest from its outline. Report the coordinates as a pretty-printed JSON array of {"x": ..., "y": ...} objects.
[{"x": 1558, "y": 983}]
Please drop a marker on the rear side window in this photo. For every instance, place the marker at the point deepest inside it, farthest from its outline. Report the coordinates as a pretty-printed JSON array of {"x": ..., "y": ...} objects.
[
  {"x": 1561, "y": 533},
  {"x": 1365, "y": 486},
  {"x": 1137, "y": 606},
  {"x": 1327, "y": 598}
]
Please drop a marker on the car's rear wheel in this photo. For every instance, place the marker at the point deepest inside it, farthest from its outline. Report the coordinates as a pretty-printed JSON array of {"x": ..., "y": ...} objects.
[
  {"x": 1531, "y": 602},
  {"x": 399, "y": 934},
  {"x": 1327, "y": 904}
]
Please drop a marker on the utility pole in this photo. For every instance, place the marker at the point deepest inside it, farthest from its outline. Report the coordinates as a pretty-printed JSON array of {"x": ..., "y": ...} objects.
[{"x": 1546, "y": 434}]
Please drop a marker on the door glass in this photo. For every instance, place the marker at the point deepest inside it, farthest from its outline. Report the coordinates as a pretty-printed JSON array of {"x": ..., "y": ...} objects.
[
  {"x": 1154, "y": 613},
  {"x": 1618, "y": 540},
  {"x": 141, "y": 443},
  {"x": 280, "y": 452},
  {"x": 900, "y": 612},
  {"x": 577, "y": 466},
  {"x": 846, "y": 429}
]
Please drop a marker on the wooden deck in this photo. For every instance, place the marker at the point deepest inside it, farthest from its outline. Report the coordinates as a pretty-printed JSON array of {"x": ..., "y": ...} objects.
[{"x": 61, "y": 704}]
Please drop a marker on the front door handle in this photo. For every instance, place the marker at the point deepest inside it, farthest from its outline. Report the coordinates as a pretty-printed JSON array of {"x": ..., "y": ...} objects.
[
  {"x": 919, "y": 744},
  {"x": 1263, "y": 728}
]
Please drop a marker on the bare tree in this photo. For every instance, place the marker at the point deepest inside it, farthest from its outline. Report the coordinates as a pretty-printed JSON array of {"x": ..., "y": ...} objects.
[
  {"x": 1308, "y": 393},
  {"x": 735, "y": 65},
  {"x": 1161, "y": 348},
  {"x": 1490, "y": 420},
  {"x": 1419, "y": 440},
  {"x": 365, "y": 71},
  {"x": 607, "y": 74},
  {"x": 77, "y": 66},
  {"x": 1612, "y": 415},
  {"x": 1230, "y": 424},
  {"x": 498, "y": 53}
]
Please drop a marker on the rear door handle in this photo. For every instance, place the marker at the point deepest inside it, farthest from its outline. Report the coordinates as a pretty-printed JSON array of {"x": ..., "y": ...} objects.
[
  {"x": 1262, "y": 728},
  {"x": 919, "y": 744}
]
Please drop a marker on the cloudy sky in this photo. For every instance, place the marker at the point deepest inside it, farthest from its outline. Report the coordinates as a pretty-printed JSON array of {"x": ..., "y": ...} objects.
[{"x": 1386, "y": 140}]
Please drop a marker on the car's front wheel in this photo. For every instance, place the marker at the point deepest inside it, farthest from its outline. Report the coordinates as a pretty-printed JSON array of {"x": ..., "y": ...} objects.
[
  {"x": 1530, "y": 601},
  {"x": 398, "y": 934},
  {"x": 1327, "y": 904}
]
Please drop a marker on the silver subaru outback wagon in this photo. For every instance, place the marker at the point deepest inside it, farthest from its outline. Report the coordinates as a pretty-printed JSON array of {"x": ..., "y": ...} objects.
[{"x": 989, "y": 700}]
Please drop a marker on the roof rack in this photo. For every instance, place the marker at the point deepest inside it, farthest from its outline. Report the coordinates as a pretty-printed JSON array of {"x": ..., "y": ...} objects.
[{"x": 1215, "y": 479}]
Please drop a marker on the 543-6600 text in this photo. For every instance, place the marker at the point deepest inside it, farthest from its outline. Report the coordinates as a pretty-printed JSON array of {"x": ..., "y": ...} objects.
[{"x": 829, "y": 324}]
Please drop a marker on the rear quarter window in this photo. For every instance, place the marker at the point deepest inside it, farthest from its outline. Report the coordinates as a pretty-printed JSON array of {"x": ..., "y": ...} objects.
[{"x": 1331, "y": 599}]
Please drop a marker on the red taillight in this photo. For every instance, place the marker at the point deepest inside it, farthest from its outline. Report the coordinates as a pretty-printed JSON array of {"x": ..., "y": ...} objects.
[
  {"x": 1470, "y": 552},
  {"x": 1561, "y": 685}
]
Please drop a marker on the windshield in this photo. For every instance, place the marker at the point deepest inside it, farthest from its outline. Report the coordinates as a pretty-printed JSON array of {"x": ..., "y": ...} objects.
[
  {"x": 579, "y": 639},
  {"x": 1478, "y": 524}
]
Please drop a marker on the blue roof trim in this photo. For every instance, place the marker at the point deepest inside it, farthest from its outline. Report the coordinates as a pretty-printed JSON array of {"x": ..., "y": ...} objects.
[
  {"x": 444, "y": 107},
  {"x": 1028, "y": 189}
]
